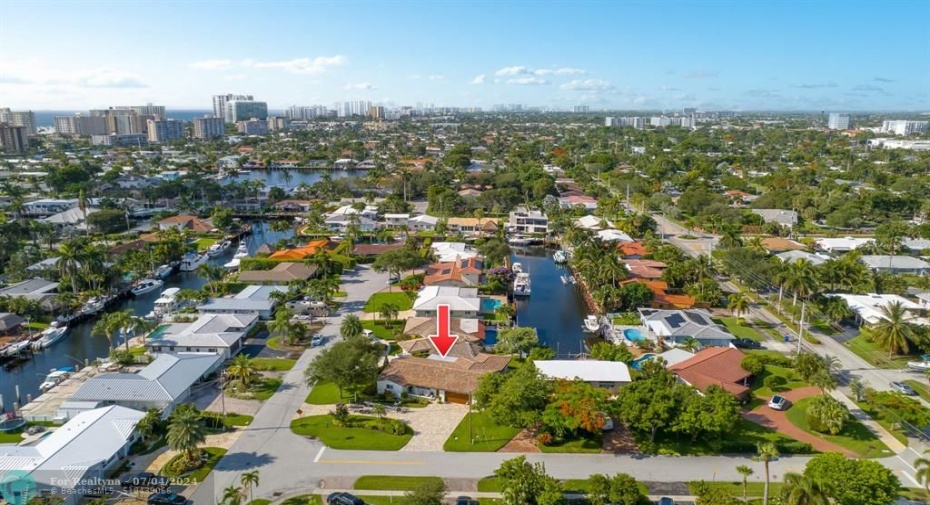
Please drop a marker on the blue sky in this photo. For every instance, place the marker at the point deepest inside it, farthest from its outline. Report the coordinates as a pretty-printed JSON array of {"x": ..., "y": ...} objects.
[{"x": 745, "y": 55}]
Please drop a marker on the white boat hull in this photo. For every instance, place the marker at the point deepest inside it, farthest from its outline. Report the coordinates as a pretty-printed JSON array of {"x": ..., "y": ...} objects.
[
  {"x": 147, "y": 287},
  {"x": 190, "y": 263},
  {"x": 51, "y": 336},
  {"x": 919, "y": 365}
]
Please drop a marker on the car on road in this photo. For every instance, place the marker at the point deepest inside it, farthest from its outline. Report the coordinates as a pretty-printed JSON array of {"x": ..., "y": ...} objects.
[
  {"x": 746, "y": 343},
  {"x": 343, "y": 499},
  {"x": 166, "y": 499},
  {"x": 778, "y": 403},
  {"x": 665, "y": 500},
  {"x": 465, "y": 500},
  {"x": 903, "y": 388},
  {"x": 302, "y": 317},
  {"x": 316, "y": 341}
]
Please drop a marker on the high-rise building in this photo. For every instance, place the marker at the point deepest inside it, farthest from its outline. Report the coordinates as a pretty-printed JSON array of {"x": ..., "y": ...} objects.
[
  {"x": 24, "y": 118},
  {"x": 165, "y": 130},
  {"x": 837, "y": 121},
  {"x": 904, "y": 127},
  {"x": 376, "y": 112},
  {"x": 581, "y": 109},
  {"x": 80, "y": 125},
  {"x": 13, "y": 139},
  {"x": 243, "y": 110},
  {"x": 206, "y": 128},
  {"x": 636, "y": 122},
  {"x": 150, "y": 110},
  {"x": 253, "y": 127},
  {"x": 276, "y": 123},
  {"x": 219, "y": 103}
]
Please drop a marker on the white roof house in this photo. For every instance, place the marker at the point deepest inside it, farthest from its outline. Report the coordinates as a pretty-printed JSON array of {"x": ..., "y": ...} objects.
[
  {"x": 371, "y": 212},
  {"x": 675, "y": 356},
  {"x": 161, "y": 385},
  {"x": 795, "y": 256},
  {"x": 896, "y": 264},
  {"x": 844, "y": 244},
  {"x": 74, "y": 217},
  {"x": 868, "y": 307},
  {"x": 679, "y": 325},
  {"x": 611, "y": 235},
  {"x": 916, "y": 244},
  {"x": 592, "y": 222},
  {"x": 452, "y": 251},
  {"x": 462, "y": 302},
  {"x": 607, "y": 374},
  {"x": 787, "y": 218},
  {"x": 253, "y": 300},
  {"x": 86, "y": 448},
  {"x": 422, "y": 222},
  {"x": 214, "y": 333}
]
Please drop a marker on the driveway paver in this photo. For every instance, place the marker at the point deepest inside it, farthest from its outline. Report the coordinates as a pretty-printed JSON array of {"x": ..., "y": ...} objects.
[{"x": 777, "y": 420}]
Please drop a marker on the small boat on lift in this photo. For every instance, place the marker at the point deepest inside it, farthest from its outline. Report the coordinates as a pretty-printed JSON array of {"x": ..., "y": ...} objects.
[
  {"x": 560, "y": 257},
  {"x": 51, "y": 335},
  {"x": 592, "y": 323}
]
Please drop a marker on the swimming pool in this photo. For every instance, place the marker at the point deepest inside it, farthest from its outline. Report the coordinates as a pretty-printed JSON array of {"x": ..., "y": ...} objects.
[
  {"x": 158, "y": 332},
  {"x": 490, "y": 337},
  {"x": 636, "y": 362},
  {"x": 633, "y": 335},
  {"x": 490, "y": 304}
]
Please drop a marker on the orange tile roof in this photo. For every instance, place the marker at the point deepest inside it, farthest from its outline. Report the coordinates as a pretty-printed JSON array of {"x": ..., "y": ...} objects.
[
  {"x": 632, "y": 249},
  {"x": 299, "y": 253},
  {"x": 451, "y": 270},
  {"x": 719, "y": 366},
  {"x": 662, "y": 299}
]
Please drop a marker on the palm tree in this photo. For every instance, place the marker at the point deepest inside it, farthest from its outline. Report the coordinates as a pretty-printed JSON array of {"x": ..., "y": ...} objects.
[
  {"x": 800, "y": 279},
  {"x": 232, "y": 495},
  {"x": 242, "y": 370},
  {"x": 69, "y": 263},
  {"x": 325, "y": 264},
  {"x": 186, "y": 431},
  {"x": 767, "y": 452},
  {"x": 746, "y": 472},
  {"x": 280, "y": 326},
  {"x": 379, "y": 411},
  {"x": 111, "y": 324},
  {"x": 756, "y": 244},
  {"x": 893, "y": 332},
  {"x": 858, "y": 388},
  {"x": 389, "y": 312},
  {"x": 248, "y": 481},
  {"x": 922, "y": 465},
  {"x": 213, "y": 274},
  {"x": 730, "y": 236},
  {"x": 148, "y": 425},
  {"x": 803, "y": 490},
  {"x": 690, "y": 344},
  {"x": 739, "y": 304},
  {"x": 351, "y": 326}
]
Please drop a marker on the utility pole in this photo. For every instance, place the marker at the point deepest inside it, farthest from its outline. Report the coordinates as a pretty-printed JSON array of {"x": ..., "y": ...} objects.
[{"x": 801, "y": 327}]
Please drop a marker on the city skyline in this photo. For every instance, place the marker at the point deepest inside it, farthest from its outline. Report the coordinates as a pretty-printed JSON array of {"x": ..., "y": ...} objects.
[{"x": 639, "y": 55}]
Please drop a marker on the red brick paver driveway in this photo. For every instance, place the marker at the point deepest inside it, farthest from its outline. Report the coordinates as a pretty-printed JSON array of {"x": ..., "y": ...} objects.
[{"x": 778, "y": 421}]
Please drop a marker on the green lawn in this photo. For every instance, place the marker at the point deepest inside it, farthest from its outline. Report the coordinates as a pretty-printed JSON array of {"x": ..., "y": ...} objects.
[
  {"x": 739, "y": 330},
  {"x": 400, "y": 300},
  {"x": 874, "y": 355},
  {"x": 214, "y": 456},
  {"x": 582, "y": 486},
  {"x": 489, "y": 485},
  {"x": 324, "y": 393},
  {"x": 232, "y": 419},
  {"x": 307, "y": 499},
  {"x": 920, "y": 387},
  {"x": 794, "y": 382},
  {"x": 889, "y": 425},
  {"x": 203, "y": 244},
  {"x": 137, "y": 351},
  {"x": 487, "y": 436},
  {"x": 855, "y": 436},
  {"x": 586, "y": 443},
  {"x": 11, "y": 437},
  {"x": 380, "y": 499},
  {"x": 336, "y": 437},
  {"x": 393, "y": 482},
  {"x": 274, "y": 364},
  {"x": 265, "y": 389},
  {"x": 747, "y": 433},
  {"x": 380, "y": 330},
  {"x": 753, "y": 489},
  {"x": 261, "y": 501}
]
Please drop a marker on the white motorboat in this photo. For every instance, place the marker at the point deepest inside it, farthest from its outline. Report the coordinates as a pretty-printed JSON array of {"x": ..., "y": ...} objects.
[
  {"x": 242, "y": 251},
  {"x": 592, "y": 323},
  {"x": 191, "y": 261},
  {"x": 163, "y": 271},
  {"x": 517, "y": 267},
  {"x": 521, "y": 285},
  {"x": 518, "y": 241},
  {"x": 146, "y": 286},
  {"x": 15, "y": 348},
  {"x": 93, "y": 306},
  {"x": 218, "y": 248},
  {"x": 919, "y": 365},
  {"x": 571, "y": 278},
  {"x": 166, "y": 303},
  {"x": 564, "y": 279},
  {"x": 56, "y": 377},
  {"x": 560, "y": 257},
  {"x": 232, "y": 265},
  {"x": 51, "y": 335}
]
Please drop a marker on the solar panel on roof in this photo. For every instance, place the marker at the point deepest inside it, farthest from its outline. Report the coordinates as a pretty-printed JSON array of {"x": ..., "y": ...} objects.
[
  {"x": 675, "y": 320},
  {"x": 698, "y": 319}
]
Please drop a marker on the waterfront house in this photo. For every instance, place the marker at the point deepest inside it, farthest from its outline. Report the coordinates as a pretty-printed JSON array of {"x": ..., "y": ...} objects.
[
  {"x": 472, "y": 330},
  {"x": 593, "y": 223},
  {"x": 396, "y": 220},
  {"x": 609, "y": 375},
  {"x": 283, "y": 273},
  {"x": 676, "y": 326},
  {"x": 10, "y": 322},
  {"x": 452, "y": 379},
  {"x": 888, "y": 264},
  {"x": 645, "y": 269},
  {"x": 632, "y": 250},
  {"x": 74, "y": 218},
  {"x": 459, "y": 273},
  {"x": 715, "y": 366},
  {"x": 40, "y": 290},
  {"x": 293, "y": 206},
  {"x": 612, "y": 235},
  {"x": 661, "y": 298},
  {"x": 162, "y": 385},
  {"x": 251, "y": 301},
  {"x": 303, "y": 252},
  {"x": 192, "y": 223},
  {"x": 584, "y": 201},
  {"x": 221, "y": 334},
  {"x": 472, "y": 225},
  {"x": 339, "y": 222},
  {"x": 87, "y": 448},
  {"x": 47, "y": 206},
  {"x": 462, "y": 302},
  {"x": 422, "y": 223},
  {"x": 528, "y": 221},
  {"x": 452, "y": 251},
  {"x": 375, "y": 249}
]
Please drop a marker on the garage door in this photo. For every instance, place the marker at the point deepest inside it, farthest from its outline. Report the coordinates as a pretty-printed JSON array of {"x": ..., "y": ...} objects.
[{"x": 456, "y": 398}]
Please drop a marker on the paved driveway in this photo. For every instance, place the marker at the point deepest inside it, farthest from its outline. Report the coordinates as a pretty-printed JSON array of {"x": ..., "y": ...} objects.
[{"x": 778, "y": 420}]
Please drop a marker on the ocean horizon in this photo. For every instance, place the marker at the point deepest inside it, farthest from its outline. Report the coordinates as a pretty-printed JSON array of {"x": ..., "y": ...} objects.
[{"x": 47, "y": 117}]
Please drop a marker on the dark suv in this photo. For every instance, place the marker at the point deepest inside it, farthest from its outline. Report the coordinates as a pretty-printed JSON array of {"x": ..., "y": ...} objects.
[
  {"x": 166, "y": 499},
  {"x": 343, "y": 499}
]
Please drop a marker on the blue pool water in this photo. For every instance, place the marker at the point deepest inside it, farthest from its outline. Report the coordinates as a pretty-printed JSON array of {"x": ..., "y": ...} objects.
[
  {"x": 490, "y": 336},
  {"x": 489, "y": 304},
  {"x": 633, "y": 335},
  {"x": 637, "y": 361}
]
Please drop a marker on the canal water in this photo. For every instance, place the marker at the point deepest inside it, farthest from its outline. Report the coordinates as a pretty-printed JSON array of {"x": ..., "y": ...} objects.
[
  {"x": 79, "y": 345},
  {"x": 556, "y": 310},
  {"x": 276, "y": 177}
]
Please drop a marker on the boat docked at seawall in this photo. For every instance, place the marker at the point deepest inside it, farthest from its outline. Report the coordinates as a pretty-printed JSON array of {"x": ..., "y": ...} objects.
[
  {"x": 521, "y": 241},
  {"x": 15, "y": 348},
  {"x": 191, "y": 261},
  {"x": 242, "y": 251},
  {"x": 592, "y": 323},
  {"x": 218, "y": 248},
  {"x": 56, "y": 377},
  {"x": 521, "y": 285},
  {"x": 232, "y": 265},
  {"x": 93, "y": 305},
  {"x": 560, "y": 257},
  {"x": 51, "y": 335},
  {"x": 517, "y": 267},
  {"x": 163, "y": 272},
  {"x": 564, "y": 279},
  {"x": 166, "y": 303},
  {"x": 146, "y": 286}
]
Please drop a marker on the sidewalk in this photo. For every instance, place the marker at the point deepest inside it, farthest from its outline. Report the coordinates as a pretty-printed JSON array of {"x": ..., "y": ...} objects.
[{"x": 878, "y": 430}]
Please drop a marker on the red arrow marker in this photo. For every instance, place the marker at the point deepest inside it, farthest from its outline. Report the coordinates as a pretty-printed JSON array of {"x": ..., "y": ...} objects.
[{"x": 443, "y": 341}]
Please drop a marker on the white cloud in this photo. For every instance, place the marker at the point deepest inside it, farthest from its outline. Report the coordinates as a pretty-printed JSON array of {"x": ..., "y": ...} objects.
[
  {"x": 108, "y": 78},
  {"x": 301, "y": 66},
  {"x": 517, "y": 70},
  {"x": 35, "y": 73},
  {"x": 479, "y": 79},
  {"x": 211, "y": 64},
  {"x": 360, "y": 85},
  {"x": 588, "y": 85},
  {"x": 521, "y": 70},
  {"x": 527, "y": 81},
  {"x": 560, "y": 71}
]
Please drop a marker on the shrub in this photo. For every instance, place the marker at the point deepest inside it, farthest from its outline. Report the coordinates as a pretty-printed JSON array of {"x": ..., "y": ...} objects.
[
  {"x": 774, "y": 382},
  {"x": 826, "y": 414},
  {"x": 545, "y": 438},
  {"x": 775, "y": 360},
  {"x": 753, "y": 364},
  {"x": 340, "y": 415}
]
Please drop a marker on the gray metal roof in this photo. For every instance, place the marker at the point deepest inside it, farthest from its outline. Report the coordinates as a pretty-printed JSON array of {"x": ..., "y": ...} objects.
[
  {"x": 235, "y": 304},
  {"x": 163, "y": 380},
  {"x": 897, "y": 262},
  {"x": 686, "y": 323}
]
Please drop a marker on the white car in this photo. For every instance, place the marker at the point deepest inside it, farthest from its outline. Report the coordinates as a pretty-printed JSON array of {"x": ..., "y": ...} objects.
[
  {"x": 778, "y": 403},
  {"x": 316, "y": 341}
]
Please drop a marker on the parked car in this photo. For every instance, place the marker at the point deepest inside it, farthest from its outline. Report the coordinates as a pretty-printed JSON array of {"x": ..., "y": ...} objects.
[
  {"x": 608, "y": 423},
  {"x": 778, "y": 403},
  {"x": 166, "y": 499},
  {"x": 746, "y": 343},
  {"x": 903, "y": 388},
  {"x": 665, "y": 500},
  {"x": 316, "y": 341},
  {"x": 343, "y": 499},
  {"x": 465, "y": 500}
]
